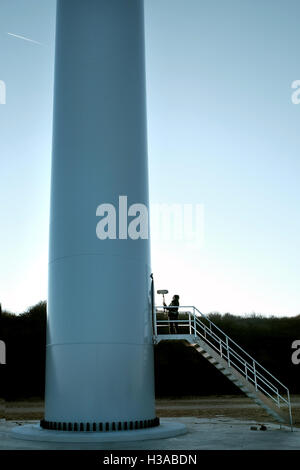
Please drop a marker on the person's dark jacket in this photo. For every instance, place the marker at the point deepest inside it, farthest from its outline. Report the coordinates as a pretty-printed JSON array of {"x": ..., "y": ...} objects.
[{"x": 173, "y": 311}]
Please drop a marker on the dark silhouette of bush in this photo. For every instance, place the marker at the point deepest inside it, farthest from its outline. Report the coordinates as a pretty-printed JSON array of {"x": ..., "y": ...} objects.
[{"x": 25, "y": 340}]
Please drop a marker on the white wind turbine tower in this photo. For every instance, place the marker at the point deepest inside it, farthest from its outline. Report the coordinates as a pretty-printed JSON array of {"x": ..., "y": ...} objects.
[{"x": 99, "y": 366}]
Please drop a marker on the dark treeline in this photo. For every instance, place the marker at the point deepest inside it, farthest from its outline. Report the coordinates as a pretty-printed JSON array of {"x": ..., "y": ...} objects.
[
  {"x": 179, "y": 369},
  {"x": 25, "y": 339}
]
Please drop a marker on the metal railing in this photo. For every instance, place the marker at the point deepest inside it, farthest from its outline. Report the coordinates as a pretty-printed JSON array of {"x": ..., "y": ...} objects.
[{"x": 196, "y": 324}]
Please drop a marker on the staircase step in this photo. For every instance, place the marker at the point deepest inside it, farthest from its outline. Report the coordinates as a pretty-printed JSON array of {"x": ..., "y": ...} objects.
[
  {"x": 228, "y": 374},
  {"x": 239, "y": 384},
  {"x": 231, "y": 378},
  {"x": 235, "y": 380},
  {"x": 206, "y": 355},
  {"x": 213, "y": 361}
]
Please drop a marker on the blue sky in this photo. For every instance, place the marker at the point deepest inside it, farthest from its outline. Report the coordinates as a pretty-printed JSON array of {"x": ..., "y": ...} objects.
[{"x": 222, "y": 132}]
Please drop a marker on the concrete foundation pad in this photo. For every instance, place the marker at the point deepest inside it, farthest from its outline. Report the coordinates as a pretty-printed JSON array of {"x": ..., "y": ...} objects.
[
  {"x": 34, "y": 432},
  {"x": 219, "y": 433}
]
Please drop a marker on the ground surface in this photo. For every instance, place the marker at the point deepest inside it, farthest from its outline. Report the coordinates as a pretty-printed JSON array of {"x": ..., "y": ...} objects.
[
  {"x": 236, "y": 407},
  {"x": 201, "y": 434}
]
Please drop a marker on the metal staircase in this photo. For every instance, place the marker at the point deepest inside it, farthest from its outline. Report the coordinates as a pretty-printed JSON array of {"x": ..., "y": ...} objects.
[{"x": 230, "y": 359}]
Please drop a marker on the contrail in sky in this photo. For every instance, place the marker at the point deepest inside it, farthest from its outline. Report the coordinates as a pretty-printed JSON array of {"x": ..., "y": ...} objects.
[{"x": 24, "y": 38}]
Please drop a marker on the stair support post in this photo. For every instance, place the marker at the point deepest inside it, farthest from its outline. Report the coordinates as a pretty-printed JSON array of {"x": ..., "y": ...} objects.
[
  {"x": 255, "y": 378},
  {"x": 290, "y": 410},
  {"x": 227, "y": 345}
]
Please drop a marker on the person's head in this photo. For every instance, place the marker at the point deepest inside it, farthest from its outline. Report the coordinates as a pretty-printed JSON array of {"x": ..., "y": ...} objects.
[{"x": 176, "y": 297}]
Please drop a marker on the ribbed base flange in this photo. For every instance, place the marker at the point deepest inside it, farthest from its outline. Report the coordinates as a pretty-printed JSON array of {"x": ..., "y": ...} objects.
[{"x": 99, "y": 427}]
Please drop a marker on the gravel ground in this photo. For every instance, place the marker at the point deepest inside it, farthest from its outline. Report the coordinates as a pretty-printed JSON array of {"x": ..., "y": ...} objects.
[{"x": 236, "y": 407}]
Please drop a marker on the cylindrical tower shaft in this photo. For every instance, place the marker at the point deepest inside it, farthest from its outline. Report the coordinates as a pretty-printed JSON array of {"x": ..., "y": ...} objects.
[{"x": 99, "y": 366}]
